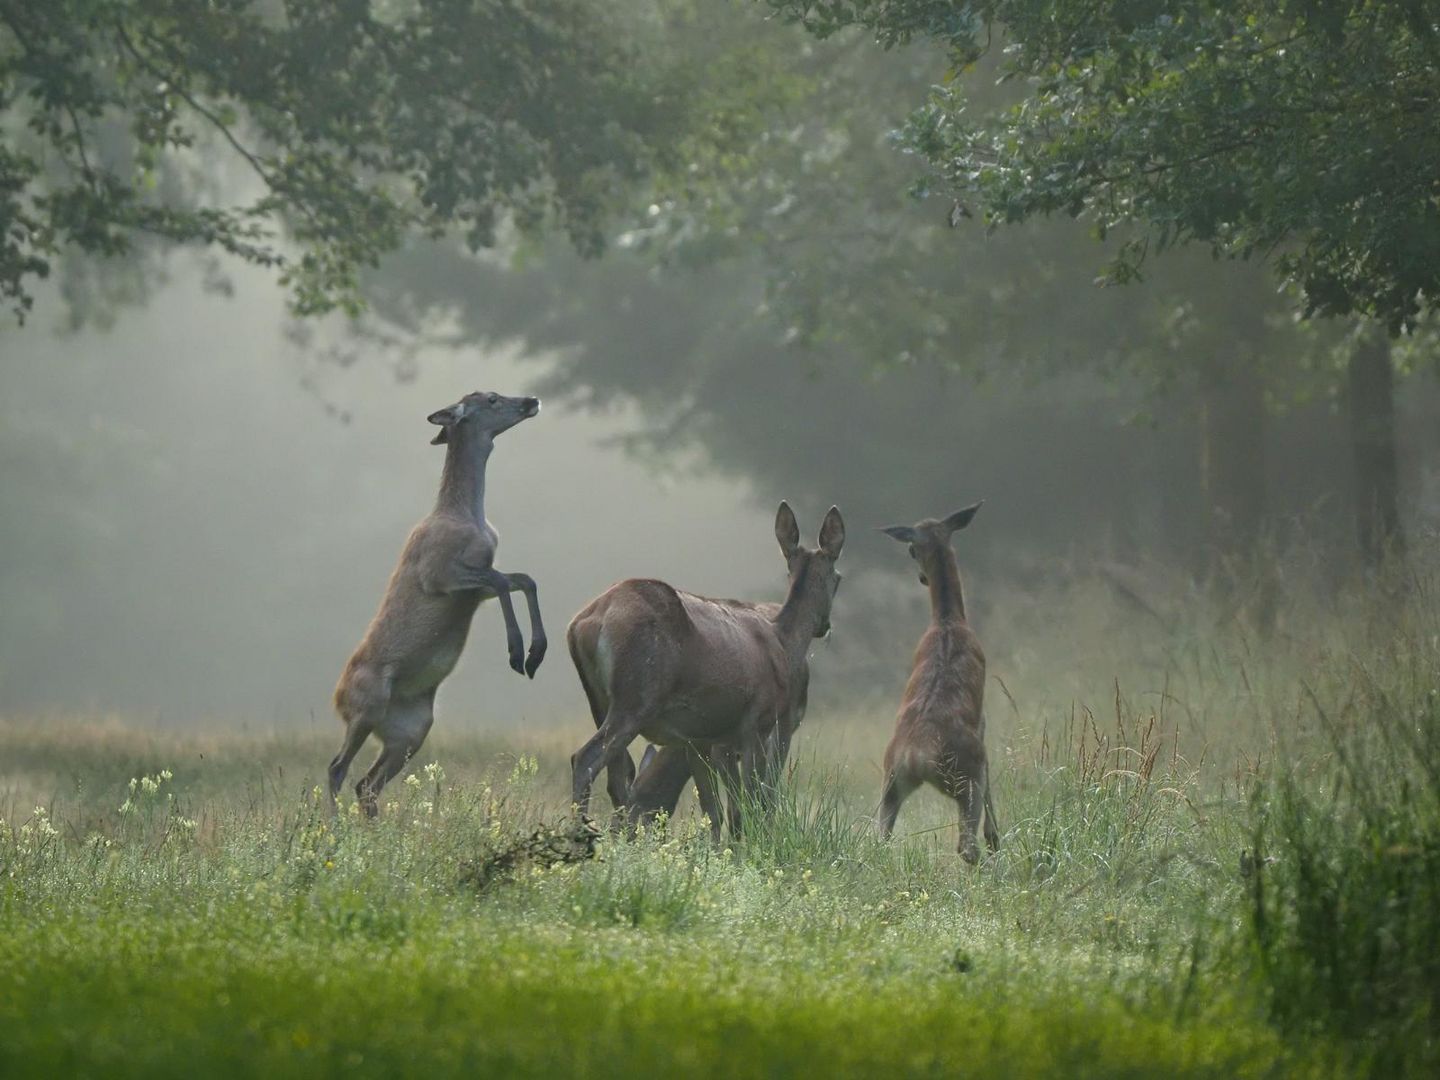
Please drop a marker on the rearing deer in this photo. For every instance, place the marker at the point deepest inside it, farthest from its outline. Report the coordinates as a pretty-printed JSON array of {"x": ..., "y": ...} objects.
[
  {"x": 940, "y": 731},
  {"x": 446, "y": 569},
  {"x": 711, "y": 677}
]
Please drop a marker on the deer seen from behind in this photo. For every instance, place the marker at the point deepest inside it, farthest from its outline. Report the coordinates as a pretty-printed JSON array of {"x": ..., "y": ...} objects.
[
  {"x": 940, "y": 730},
  {"x": 446, "y": 569},
  {"x": 712, "y": 680}
]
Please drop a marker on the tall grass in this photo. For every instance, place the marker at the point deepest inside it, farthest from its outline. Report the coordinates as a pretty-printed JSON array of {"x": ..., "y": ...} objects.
[
  {"x": 1221, "y": 858},
  {"x": 1343, "y": 898}
]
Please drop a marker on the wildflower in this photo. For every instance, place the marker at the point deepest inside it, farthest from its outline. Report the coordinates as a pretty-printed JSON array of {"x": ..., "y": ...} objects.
[
  {"x": 166, "y": 774},
  {"x": 329, "y": 864},
  {"x": 412, "y": 780}
]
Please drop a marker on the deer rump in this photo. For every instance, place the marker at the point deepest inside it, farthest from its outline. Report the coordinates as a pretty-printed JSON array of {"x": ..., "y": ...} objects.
[{"x": 679, "y": 669}]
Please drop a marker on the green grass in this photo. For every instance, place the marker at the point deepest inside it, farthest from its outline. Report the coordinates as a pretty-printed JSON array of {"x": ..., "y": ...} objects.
[{"x": 221, "y": 923}]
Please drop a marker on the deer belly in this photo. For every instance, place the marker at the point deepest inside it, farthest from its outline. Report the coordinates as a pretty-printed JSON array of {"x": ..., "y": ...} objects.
[
  {"x": 430, "y": 670},
  {"x": 702, "y": 717}
]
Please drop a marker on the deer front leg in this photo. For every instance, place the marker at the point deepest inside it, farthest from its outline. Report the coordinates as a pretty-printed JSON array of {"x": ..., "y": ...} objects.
[
  {"x": 702, "y": 769},
  {"x": 526, "y": 584},
  {"x": 492, "y": 582},
  {"x": 751, "y": 779}
]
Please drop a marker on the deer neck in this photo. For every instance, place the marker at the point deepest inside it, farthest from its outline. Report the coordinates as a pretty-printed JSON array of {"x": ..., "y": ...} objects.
[
  {"x": 796, "y": 621},
  {"x": 947, "y": 598},
  {"x": 462, "y": 483}
]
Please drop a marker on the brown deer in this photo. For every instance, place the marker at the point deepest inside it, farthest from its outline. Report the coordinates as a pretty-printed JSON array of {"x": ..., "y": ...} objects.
[
  {"x": 712, "y": 679},
  {"x": 446, "y": 569},
  {"x": 940, "y": 731},
  {"x": 664, "y": 772}
]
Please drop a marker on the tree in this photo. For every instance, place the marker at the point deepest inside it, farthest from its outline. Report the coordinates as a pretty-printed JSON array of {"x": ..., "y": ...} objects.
[
  {"x": 360, "y": 124},
  {"x": 813, "y": 257},
  {"x": 1301, "y": 132}
]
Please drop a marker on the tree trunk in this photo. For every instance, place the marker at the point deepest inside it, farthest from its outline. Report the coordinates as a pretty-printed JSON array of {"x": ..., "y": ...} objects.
[{"x": 1371, "y": 400}]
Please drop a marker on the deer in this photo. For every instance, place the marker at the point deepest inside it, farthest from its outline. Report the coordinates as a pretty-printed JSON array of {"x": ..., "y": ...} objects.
[
  {"x": 664, "y": 772},
  {"x": 446, "y": 569},
  {"x": 940, "y": 728},
  {"x": 707, "y": 680}
]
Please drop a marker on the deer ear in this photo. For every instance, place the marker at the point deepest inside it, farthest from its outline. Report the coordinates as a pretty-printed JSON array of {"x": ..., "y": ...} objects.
[
  {"x": 904, "y": 533},
  {"x": 787, "y": 530},
  {"x": 832, "y": 533},
  {"x": 445, "y": 418},
  {"x": 958, "y": 520}
]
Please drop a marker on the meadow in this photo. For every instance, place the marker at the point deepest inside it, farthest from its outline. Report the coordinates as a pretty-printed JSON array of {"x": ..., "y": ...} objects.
[{"x": 1221, "y": 857}]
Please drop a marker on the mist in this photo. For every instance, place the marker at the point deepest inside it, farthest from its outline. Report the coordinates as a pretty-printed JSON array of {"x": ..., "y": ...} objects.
[
  {"x": 192, "y": 536},
  {"x": 201, "y": 499},
  {"x": 200, "y": 509}
]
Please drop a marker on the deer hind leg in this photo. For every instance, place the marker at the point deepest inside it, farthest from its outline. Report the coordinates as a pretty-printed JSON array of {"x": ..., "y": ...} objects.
[
  {"x": 620, "y": 774},
  {"x": 600, "y": 751},
  {"x": 899, "y": 785},
  {"x": 992, "y": 824},
  {"x": 664, "y": 772},
  {"x": 361, "y": 700},
  {"x": 967, "y": 792},
  {"x": 356, "y": 732},
  {"x": 620, "y": 781},
  {"x": 403, "y": 732}
]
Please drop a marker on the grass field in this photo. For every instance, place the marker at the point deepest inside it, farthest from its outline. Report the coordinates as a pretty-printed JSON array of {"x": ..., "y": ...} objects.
[{"x": 1219, "y": 859}]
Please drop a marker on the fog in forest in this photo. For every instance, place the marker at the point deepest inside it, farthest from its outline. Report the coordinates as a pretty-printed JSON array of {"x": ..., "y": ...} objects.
[
  {"x": 200, "y": 512},
  {"x": 201, "y": 499},
  {"x": 189, "y": 534}
]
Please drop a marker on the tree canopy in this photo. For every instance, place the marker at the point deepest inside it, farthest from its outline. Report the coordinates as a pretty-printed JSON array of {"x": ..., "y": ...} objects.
[
  {"x": 358, "y": 122},
  {"x": 1302, "y": 131}
]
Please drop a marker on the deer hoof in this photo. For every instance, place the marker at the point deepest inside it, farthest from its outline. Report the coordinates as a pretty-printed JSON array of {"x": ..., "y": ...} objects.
[
  {"x": 532, "y": 662},
  {"x": 517, "y": 662}
]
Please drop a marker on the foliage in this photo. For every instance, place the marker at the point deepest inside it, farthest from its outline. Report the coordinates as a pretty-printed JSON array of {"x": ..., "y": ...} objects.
[
  {"x": 358, "y": 124},
  {"x": 1300, "y": 131}
]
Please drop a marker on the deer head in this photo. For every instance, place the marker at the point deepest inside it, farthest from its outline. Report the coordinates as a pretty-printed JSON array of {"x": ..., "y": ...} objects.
[
  {"x": 813, "y": 580},
  {"x": 929, "y": 539},
  {"x": 482, "y": 413}
]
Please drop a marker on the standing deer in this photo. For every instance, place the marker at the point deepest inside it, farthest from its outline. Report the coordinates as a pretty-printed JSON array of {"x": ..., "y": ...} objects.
[
  {"x": 940, "y": 731},
  {"x": 664, "y": 772},
  {"x": 446, "y": 569},
  {"x": 710, "y": 678}
]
